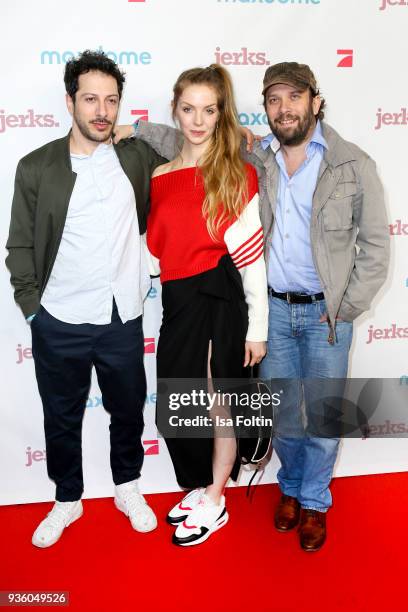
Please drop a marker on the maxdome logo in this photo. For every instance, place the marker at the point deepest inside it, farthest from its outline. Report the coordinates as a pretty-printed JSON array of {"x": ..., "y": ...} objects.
[
  {"x": 119, "y": 57},
  {"x": 253, "y": 119}
]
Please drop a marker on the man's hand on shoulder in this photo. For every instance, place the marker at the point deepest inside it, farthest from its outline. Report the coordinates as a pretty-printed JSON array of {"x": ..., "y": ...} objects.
[{"x": 250, "y": 138}]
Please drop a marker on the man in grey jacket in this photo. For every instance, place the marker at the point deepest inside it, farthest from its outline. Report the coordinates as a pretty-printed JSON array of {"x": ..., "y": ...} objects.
[{"x": 327, "y": 251}]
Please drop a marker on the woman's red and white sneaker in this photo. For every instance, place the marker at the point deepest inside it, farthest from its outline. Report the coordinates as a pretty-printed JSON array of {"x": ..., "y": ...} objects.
[
  {"x": 180, "y": 511},
  {"x": 202, "y": 521}
]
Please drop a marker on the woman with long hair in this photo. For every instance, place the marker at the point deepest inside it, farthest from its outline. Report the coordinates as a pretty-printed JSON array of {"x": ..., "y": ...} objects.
[{"x": 205, "y": 235}]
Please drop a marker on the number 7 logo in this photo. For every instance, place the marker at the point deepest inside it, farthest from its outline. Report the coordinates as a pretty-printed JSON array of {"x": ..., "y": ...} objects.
[
  {"x": 149, "y": 345},
  {"x": 152, "y": 447},
  {"x": 347, "y": 61},
  {"x": 141, "y": 114}
]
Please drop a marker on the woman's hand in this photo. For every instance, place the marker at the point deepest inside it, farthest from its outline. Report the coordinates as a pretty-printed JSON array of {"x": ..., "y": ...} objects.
[
  {"x": 254, "y": 352},
  {"x": 122, "y": 131}
]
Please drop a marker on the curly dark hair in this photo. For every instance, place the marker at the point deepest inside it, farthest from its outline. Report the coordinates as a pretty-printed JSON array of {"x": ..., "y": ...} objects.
[{"x": 90, "y": 60}]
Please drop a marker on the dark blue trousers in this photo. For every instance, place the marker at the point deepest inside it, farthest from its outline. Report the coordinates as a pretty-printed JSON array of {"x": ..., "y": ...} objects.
[{"x": 64, "y": 355}]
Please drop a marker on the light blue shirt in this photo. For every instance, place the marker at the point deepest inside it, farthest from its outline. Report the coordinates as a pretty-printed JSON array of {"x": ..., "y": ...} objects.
[
  {"x": 291, "y": 266},
  {"x": 101, "y": 254}
]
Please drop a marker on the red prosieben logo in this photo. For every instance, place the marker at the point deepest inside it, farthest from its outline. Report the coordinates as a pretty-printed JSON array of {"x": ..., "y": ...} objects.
[
  {"x": 149, "y": 345},
  {"x": 347, "y": 61},
  {"x": 151, "y": 447},
  {"x": 30, "y": 120},
  {"x": 140, "y": 114}
]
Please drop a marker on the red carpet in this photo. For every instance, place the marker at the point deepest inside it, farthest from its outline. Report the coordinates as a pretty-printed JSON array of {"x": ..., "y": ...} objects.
[{"x": 248, "y": 566}]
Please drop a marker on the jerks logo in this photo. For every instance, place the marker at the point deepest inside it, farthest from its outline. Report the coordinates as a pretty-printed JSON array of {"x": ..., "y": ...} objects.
[
  {"x": 389, "y": 333},
  {"x": 31, "y": 120},
  {"x": 149, "y": 345},
  {"x": 398, "y": 228},
  {"x": 387, "y": 429},
  {"x": 26, "y": 353},
  {"x": 23, "y": 353},
  {"x": 242, "y": 58},
  {"x": 391, "y": 118},
  {"x": 385, "y": 3},
  {"x": 34, "y": 456},
  {"x": 141, "y": 115},
  {"x": 347, "y": 61}
]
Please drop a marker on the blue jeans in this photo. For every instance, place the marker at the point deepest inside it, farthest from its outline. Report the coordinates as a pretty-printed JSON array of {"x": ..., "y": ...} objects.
[{"x": 298, "y": 349}]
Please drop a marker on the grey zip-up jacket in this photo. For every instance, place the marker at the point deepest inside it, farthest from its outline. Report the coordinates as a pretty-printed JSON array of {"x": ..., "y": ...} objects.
[{"x": 348, "y": 230}]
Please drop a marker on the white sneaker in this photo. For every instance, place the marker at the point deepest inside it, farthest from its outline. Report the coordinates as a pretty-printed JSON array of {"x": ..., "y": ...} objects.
[
  {"x": 132, "y": 503},
  {"x": 50, "y": 529},
  {"x": 181, "y": 510},
  {"x": 202, "y": 521}
]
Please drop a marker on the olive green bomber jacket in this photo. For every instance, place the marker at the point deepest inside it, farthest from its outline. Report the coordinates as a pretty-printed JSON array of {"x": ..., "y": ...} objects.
[{"x": 43, "y": 186}]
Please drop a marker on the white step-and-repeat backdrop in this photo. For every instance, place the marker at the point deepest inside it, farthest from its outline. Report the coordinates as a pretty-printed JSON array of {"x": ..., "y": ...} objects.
[{"x": 358, "y": 50}]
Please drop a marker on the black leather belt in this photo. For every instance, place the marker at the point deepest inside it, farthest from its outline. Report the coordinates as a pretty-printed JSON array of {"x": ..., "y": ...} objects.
[{"x": 296, "y": 298}]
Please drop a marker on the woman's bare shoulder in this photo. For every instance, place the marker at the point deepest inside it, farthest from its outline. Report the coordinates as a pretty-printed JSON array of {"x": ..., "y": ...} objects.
[{"x": 164, "y": 168}]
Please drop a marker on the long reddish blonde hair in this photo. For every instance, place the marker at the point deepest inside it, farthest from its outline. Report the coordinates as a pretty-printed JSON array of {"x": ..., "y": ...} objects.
[{"x": 222, "y": 167}]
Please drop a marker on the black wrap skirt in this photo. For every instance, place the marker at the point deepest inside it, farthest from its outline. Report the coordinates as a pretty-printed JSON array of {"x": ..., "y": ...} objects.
[{"x": 206, "y": 307}]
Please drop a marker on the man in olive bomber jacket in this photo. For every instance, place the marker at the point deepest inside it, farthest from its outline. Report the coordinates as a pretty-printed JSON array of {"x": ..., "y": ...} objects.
[{"x": 79, "y": 275}]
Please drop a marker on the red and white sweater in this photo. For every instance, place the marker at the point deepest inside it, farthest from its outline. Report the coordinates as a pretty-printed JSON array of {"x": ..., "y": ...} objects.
[{"x": 180, "y": 246}]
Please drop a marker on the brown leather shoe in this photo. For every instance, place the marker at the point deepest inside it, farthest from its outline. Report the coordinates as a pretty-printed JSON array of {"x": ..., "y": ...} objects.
[
  {"x": 312, "y": 530},
  {"x": 287, "y": 513}
]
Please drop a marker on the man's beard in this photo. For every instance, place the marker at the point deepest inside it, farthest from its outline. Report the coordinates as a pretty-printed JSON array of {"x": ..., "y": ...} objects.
[
  {"x": 85, "y": 129},
  {"x": 296, "y": 135}
]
